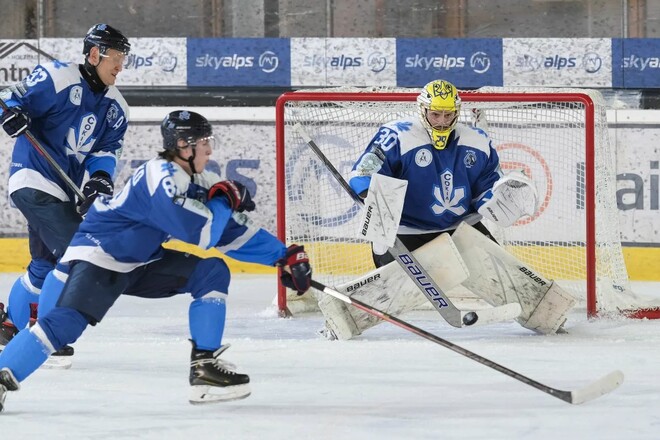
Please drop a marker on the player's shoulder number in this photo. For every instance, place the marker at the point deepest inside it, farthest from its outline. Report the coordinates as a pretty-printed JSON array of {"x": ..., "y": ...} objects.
[
  {"x": 38, "y": 75},
  {"x": 386, "y": 138}
]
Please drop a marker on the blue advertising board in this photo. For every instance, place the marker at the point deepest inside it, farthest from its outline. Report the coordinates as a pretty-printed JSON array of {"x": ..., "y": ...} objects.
[
  {"x": 221, "y": 62},
  {"x": 466, "y": 62},
  {"x": 636, "y": 63}
]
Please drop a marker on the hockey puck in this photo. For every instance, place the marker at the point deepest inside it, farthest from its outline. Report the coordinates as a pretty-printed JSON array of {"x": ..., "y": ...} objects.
[{"x": 470, "y": 318}]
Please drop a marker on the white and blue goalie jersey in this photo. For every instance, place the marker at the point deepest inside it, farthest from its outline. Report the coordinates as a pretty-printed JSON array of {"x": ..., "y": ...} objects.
[
  {"x": 159, "y": 202},
  {"x": 445, "y": 186},
  {"x": 80, "y": 129}
]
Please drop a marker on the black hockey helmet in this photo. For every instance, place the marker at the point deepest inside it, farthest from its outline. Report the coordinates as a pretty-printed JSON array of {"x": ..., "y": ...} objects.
[
  {"x": 186, "y": 125},
  {"x": 105, "y": 37}
]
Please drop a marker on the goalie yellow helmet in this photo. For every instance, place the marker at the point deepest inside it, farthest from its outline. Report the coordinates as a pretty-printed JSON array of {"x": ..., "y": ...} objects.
[{"x": 441, "y": 98}]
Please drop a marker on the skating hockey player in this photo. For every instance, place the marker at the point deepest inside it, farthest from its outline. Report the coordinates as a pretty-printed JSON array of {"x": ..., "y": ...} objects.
[
  {"x": 117, "y": 251},
  {"x": 79, "y": 117}
]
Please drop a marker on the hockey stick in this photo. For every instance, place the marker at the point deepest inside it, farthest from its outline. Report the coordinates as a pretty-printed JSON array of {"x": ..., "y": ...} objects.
[
  {"x": 402, "y": 255},
  {"x": 37, "y": 146},
  {"x": 592, "y": 391}
]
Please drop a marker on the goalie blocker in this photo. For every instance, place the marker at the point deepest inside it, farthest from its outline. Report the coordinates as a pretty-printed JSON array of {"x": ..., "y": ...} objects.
[{"x": 467, "y": 259}]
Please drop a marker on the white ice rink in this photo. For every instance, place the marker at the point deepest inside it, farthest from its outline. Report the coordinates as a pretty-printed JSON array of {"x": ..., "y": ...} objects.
[{"x": 130, "y": 379}]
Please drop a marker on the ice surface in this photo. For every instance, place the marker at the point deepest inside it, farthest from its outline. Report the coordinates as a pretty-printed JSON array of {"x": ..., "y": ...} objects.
[{"x": 130, "y": 379}]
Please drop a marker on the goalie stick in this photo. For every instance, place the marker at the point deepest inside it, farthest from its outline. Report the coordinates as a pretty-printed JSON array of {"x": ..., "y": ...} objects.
[
  {"x": 37, "y": 146},
  {"x": 589, "y": 392},
  {"x": 402, "y": 255}
]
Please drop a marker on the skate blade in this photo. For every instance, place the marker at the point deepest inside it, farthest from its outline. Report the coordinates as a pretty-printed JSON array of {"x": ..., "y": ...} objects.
[
  {"x": 58, "y": 363},
  {"x": 203, "y": 394}
]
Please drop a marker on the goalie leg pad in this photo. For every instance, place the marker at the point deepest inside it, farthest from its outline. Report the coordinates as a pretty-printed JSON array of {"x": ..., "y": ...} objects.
[
  {"x": 550, "y": 313},
  {"x": 500, "y": 278},
  {"x": 338, "y": 319},
  {"x": 390, "y": 290}
]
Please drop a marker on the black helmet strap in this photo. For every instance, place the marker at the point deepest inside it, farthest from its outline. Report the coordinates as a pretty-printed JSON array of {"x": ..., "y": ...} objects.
[
  {"x": 193, "y": 144},
  {"x": 92, "y": 77}
]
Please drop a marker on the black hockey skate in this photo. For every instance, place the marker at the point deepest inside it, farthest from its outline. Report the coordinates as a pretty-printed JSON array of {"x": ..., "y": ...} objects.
[
  {"x": 7, "y": 383},
  {"x": 215, "y": 380},
  {"x": 7, "y": 329}
]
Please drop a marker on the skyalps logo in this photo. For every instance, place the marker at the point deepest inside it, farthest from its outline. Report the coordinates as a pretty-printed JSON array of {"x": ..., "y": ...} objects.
[
  {"x": 444, "y": 62},
  {"x": 377, "y": 62},
  {"x": 341, "y": 62},
  {"x": 234, "y": 61},
  {"x": 640, "y": 63},
  {"x": 167, "y": 61},
  {"x": 268, "y": 61},
  {"x": 591, "y": 62},
  {"x": 480, "y": 62},
  {"x": 448, "y": 198}
]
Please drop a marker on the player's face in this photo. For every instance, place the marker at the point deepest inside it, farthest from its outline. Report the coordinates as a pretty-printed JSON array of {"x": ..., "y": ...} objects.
[
  {"x": 109, "y": 66},
  {"x": 203, "y": 152},
  {"x": 440, "y": 120}
]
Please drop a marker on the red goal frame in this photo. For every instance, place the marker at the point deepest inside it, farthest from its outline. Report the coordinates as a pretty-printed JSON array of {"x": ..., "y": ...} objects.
[{"x": 589, "y": 136}]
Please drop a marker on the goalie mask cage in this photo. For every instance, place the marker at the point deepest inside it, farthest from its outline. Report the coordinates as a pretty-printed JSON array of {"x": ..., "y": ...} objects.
[{"x": 558, "y": 137}]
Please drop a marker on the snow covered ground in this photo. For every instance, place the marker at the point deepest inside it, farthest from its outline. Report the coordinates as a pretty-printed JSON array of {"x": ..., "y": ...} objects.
[{"x": 130, "y": 379}]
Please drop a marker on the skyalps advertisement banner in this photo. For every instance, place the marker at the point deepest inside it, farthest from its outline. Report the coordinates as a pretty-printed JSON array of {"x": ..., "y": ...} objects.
[
  {"x": 151, "y": 62},
  {"x": 637, "y": 63},
  {"x": 557, "y": 62},
  {"x": 239, "y": 62},
  {"x": 468, "y": 63},
  {"x": 343, "y": 61}
]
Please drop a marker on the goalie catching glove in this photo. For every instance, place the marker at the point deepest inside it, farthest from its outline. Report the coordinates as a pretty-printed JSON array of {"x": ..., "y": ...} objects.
[
  {"x": 236, "y": 194},
  {"x": 514, "y": 196},
  {"x": 300, "y": 276}
]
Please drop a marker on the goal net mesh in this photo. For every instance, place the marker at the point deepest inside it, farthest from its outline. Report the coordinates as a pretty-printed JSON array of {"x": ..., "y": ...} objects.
[{"x": 536, "y": 133}]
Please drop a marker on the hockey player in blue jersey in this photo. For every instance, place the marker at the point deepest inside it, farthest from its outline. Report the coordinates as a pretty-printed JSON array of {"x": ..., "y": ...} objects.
[
  {"x": 450, "y": 168},
  {"x": 79, "y": 117},
  {"x": 117, "y": 250},
  {"x": 454, "y": 176}
]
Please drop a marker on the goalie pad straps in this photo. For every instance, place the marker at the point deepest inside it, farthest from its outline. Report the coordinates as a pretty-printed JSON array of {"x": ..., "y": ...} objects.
[{"x": 513, "y": 196}]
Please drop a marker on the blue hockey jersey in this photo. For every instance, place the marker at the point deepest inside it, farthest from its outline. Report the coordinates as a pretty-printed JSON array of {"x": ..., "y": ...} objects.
[
  {"x": 160, "y": 202},
  {"x": 80, "y": 129},
  {"x": 445, "y": 186}
]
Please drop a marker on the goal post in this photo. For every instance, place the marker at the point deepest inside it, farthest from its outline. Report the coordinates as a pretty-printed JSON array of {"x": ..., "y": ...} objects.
[{"x": 558, "y": 137}]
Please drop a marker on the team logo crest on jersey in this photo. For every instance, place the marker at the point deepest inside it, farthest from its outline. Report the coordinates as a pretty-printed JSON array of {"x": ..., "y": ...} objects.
[
  {"x": 423, "y": 158},
  {"x": 470, "y": 159},
  {"x": 448, "y": 198},
  {"x": 79, "y": 139},
  {"x": 112, "y": 114},
  {"x": 75, "y": 95}
]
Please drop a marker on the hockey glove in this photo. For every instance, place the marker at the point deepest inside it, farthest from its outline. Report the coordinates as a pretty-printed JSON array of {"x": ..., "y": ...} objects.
[
  {"x": 15, "y": 121},
  {"x": 236, "y": 193},
  {"x": 300, "y": 276},
  {"x": 98, "y": 183}
]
